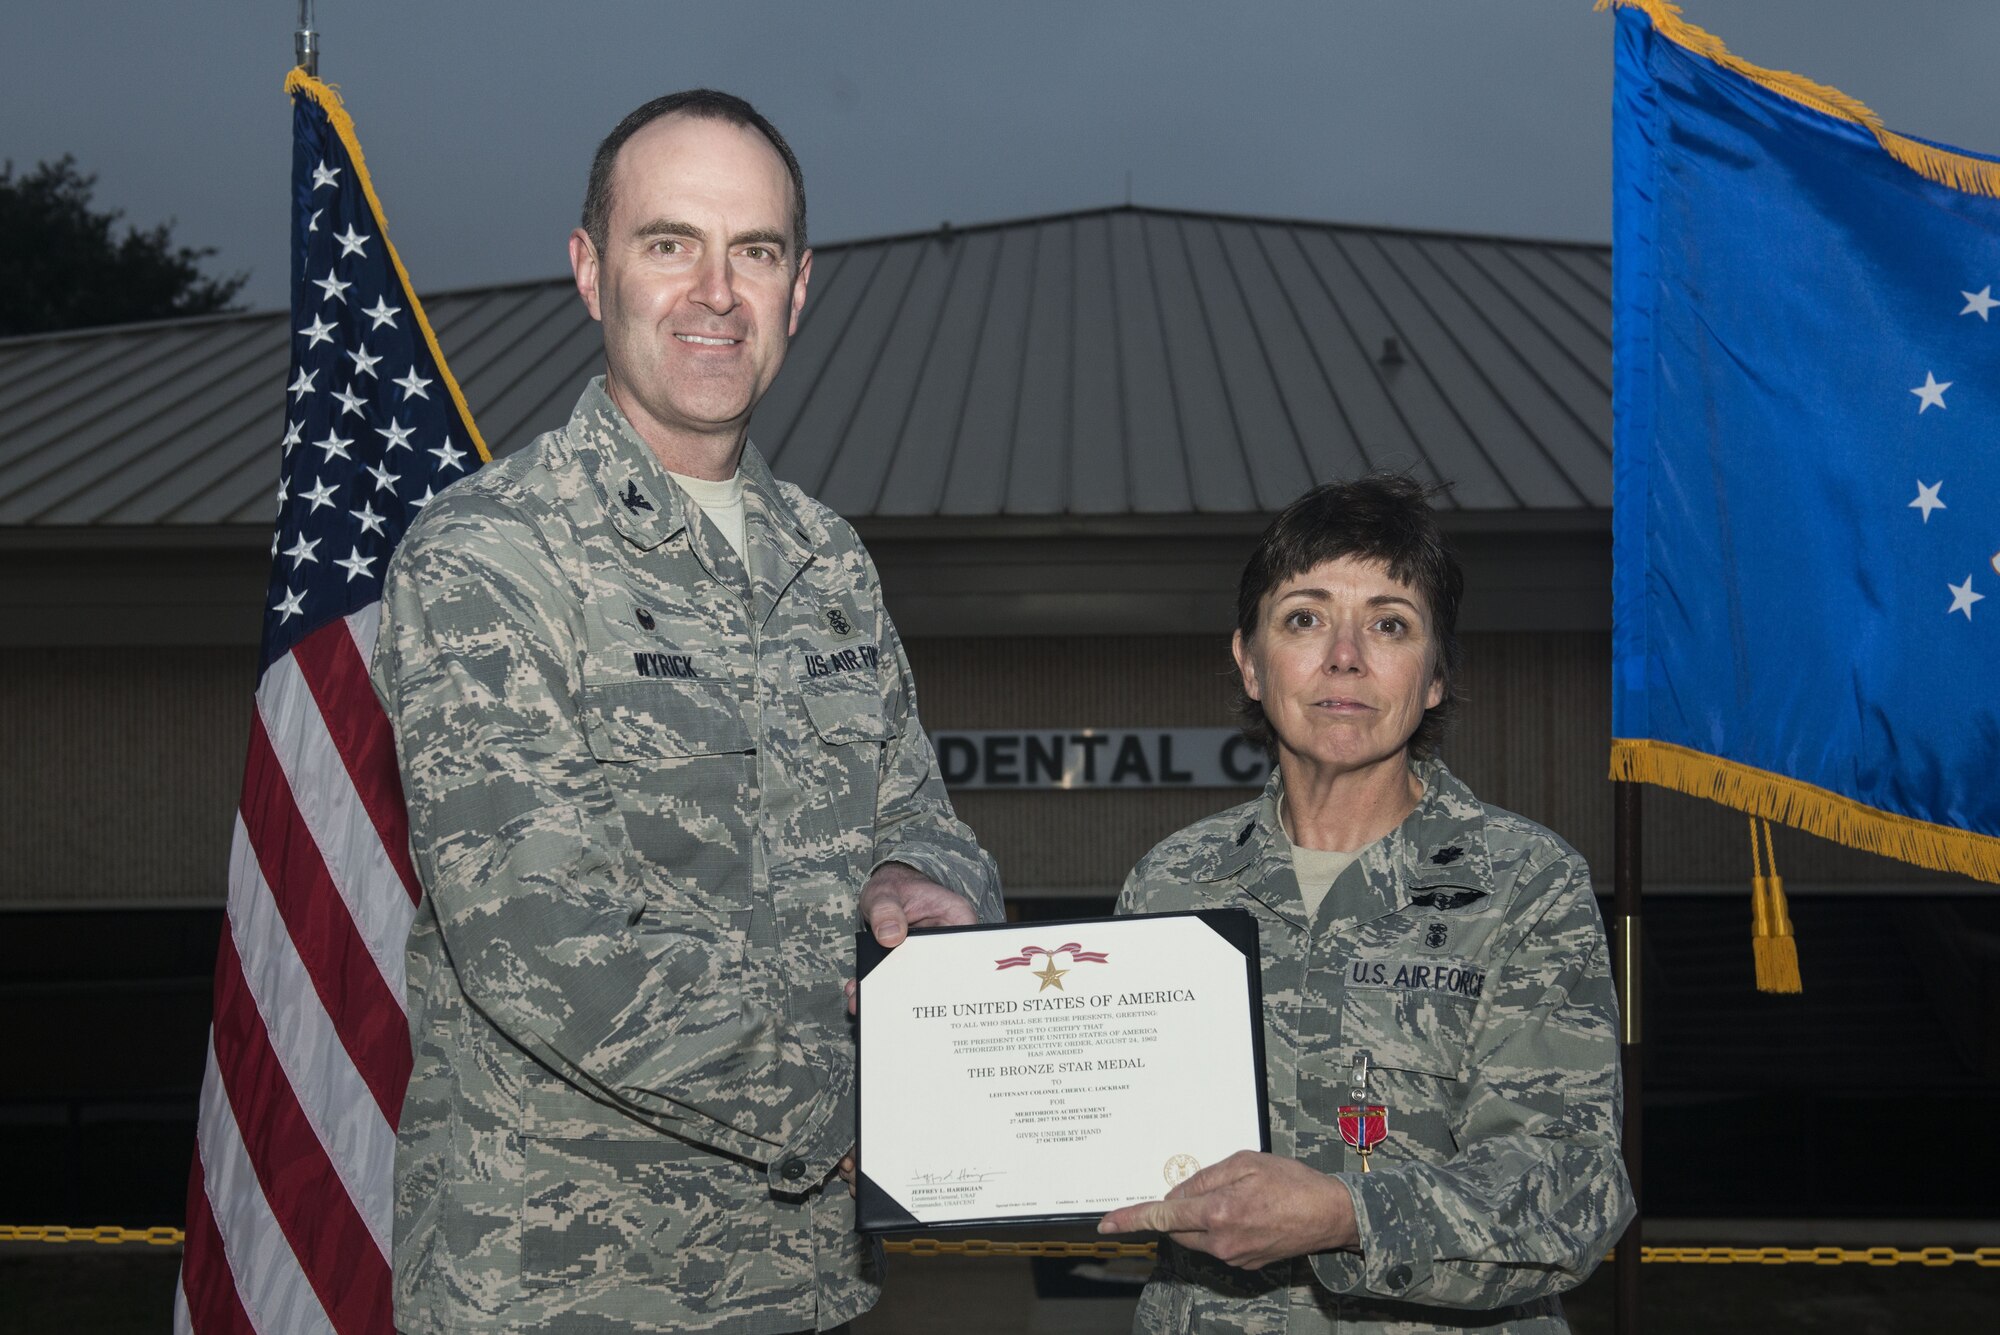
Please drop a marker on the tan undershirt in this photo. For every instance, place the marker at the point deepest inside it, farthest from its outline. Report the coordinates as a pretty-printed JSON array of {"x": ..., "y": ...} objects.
[
  {"x": 721, "y": 501},
  {"x": 1316, "y": 869}
]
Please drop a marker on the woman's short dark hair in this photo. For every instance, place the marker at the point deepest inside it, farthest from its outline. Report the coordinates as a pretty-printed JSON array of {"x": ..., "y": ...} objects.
[{"x": 1384, "y": 517}]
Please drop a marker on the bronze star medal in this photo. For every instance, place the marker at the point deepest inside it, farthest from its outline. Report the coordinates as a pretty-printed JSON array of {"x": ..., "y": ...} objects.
[
  {"x": 1363, "y": 1127},
  {"x": 1050, "y": 975}
]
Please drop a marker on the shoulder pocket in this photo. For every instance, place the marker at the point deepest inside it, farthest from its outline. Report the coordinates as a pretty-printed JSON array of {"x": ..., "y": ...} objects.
[{"x": 646, "y": 720}]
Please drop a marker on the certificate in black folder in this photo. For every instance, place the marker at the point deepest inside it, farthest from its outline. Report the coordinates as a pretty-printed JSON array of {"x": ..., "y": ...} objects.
[{"x": 1050, "y": 1072}]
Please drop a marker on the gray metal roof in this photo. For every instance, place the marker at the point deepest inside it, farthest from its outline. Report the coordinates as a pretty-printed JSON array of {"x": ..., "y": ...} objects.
[{"x": 1120, "y": 362}]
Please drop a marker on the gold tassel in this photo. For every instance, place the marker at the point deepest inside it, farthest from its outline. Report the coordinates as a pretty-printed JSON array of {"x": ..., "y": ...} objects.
[
  {"x": 1960, "y": 171},
  {"x": 1804, "y": 807},
  {"x": 1771, "y": 941}
]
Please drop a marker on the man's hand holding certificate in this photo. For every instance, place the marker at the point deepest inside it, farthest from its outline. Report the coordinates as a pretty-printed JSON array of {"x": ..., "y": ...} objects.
[{"x": 1054, "y": 1071}]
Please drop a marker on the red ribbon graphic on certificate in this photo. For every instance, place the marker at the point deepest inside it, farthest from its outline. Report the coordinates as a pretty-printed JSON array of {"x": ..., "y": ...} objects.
[{"x": 1070, "y": 948}]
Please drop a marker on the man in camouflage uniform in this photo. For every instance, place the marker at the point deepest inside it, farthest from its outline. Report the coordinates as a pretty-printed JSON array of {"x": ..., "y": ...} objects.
[
  {"x": 651, "y": 756},
  {"x": 1463, "y": 960}
]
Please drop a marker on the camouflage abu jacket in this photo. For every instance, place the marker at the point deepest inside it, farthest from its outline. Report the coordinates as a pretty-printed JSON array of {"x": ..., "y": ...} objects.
[
  {"x": 1463, "y": 956},
  {"x": 645, "y": 789}
]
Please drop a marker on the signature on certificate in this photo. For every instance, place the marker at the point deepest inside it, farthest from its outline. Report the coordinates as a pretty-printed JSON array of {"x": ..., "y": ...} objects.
[{"x": 954, "y": 1176}]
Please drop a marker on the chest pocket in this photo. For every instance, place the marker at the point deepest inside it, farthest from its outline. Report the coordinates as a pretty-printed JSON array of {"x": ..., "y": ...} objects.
[
  {"x": 1418, "y": 1032},
  {"x": 841, "y": 717},
  {"x": 653, "y": 721},
  {"x": 1418, "y": 1045},
  {"x": 1411, "y": 990},
  {"x": 840, "y": 759},
  {"x": 844, "y": 707},
  {"x": 678, "y": 758}
]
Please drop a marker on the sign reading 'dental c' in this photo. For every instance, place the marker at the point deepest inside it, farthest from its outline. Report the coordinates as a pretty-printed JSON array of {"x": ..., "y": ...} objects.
[{"x": 1101, "y": 758}]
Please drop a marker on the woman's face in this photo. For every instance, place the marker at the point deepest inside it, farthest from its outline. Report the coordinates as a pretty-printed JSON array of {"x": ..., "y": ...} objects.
[{"x": 1343, "y": 663}]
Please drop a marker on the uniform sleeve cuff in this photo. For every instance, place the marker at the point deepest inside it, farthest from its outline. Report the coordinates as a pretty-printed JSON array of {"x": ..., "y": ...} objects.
[
  {"x": 955, "y": 872},
  {"x": 815, "y": 1150},
  {"x": 1395, "y": 1235},
  {"x": 1337, "y": 1272}
]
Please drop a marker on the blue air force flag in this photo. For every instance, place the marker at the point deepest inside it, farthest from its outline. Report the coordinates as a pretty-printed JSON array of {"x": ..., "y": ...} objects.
[{"x": 1807, "y": 404}]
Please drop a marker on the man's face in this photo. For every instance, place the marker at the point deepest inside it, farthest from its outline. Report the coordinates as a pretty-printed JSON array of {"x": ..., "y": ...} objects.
[{"x": 697, "y": 286}]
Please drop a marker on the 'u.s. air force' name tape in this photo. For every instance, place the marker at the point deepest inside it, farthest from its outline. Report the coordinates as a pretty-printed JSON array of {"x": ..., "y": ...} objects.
[
  {"x": 1101, "y": 758},
  {"x": 1458, "y": 980}
]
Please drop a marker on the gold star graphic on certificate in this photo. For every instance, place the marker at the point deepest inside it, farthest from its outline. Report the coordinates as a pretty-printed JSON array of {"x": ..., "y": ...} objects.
[{"x": 1050, "y": 975}]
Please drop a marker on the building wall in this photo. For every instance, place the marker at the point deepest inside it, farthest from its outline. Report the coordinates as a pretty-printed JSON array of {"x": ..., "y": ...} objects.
[
  {"x": 123, "y": 765},
  {"x": 121, "y": 773}
]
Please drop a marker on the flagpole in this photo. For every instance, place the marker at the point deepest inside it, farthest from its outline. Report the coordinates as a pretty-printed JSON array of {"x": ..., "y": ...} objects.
[
  {"x": 305, "y": 42},
  {"x": 1626, "y": 878}
]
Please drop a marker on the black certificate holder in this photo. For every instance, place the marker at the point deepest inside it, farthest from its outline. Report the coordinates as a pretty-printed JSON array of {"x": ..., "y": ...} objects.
[{"x": 876, "y": 1211}]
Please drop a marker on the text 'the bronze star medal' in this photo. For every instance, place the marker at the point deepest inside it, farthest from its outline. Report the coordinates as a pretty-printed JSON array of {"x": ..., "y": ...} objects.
[{"x": 1180, "y": 1168}]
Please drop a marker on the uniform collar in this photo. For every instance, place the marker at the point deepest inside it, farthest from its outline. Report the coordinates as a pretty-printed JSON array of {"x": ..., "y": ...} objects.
[
  {"x": 638, "y": 497},
  {"x": 641, "y": 498},
  {"x": 789, "y": 530},
  {"x": 1257, "y": 837},
  {"x": 1440, "y": 848},
  {"x": 1258, "y": 857}
]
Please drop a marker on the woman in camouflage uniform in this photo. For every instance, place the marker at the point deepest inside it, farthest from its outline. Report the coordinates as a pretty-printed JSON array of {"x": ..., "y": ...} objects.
[{"x": 1436, "y": 982}]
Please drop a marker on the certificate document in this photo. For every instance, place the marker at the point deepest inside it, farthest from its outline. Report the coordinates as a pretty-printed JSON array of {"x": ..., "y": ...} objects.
[{"x": 1053, "y": 1071}]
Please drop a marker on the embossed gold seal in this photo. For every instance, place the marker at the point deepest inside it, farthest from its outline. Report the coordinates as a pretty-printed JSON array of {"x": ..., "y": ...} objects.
[{"x": 1180, "y": 1168}]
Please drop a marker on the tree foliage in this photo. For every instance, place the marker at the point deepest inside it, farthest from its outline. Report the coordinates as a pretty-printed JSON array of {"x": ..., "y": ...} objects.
[{"x": 63, "y": 267}]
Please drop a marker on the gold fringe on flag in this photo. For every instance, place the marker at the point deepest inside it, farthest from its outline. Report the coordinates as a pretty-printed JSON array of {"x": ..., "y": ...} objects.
[
  {"x": 1960, "y": 171},
  {"x": 1806, "y": 807},
  {"x": 298, "y": 81},
  {"x": 1771, "y": 942}
]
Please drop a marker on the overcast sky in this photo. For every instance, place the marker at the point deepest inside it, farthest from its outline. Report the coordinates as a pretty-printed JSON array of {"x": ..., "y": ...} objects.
[{"x": 478, "y": 119}]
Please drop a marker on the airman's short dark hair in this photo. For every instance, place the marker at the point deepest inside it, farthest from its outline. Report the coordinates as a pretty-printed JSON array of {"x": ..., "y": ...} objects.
[{"x": 708, "y": 104}]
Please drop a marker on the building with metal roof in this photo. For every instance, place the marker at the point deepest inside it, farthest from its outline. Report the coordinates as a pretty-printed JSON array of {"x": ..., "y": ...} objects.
[
  {"x": 1120, "y": 362},
  {"x": 991, "y": 405}
]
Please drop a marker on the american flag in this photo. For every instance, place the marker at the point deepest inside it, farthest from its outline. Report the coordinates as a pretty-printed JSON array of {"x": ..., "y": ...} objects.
[{"x": 289, "y": 1201}]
